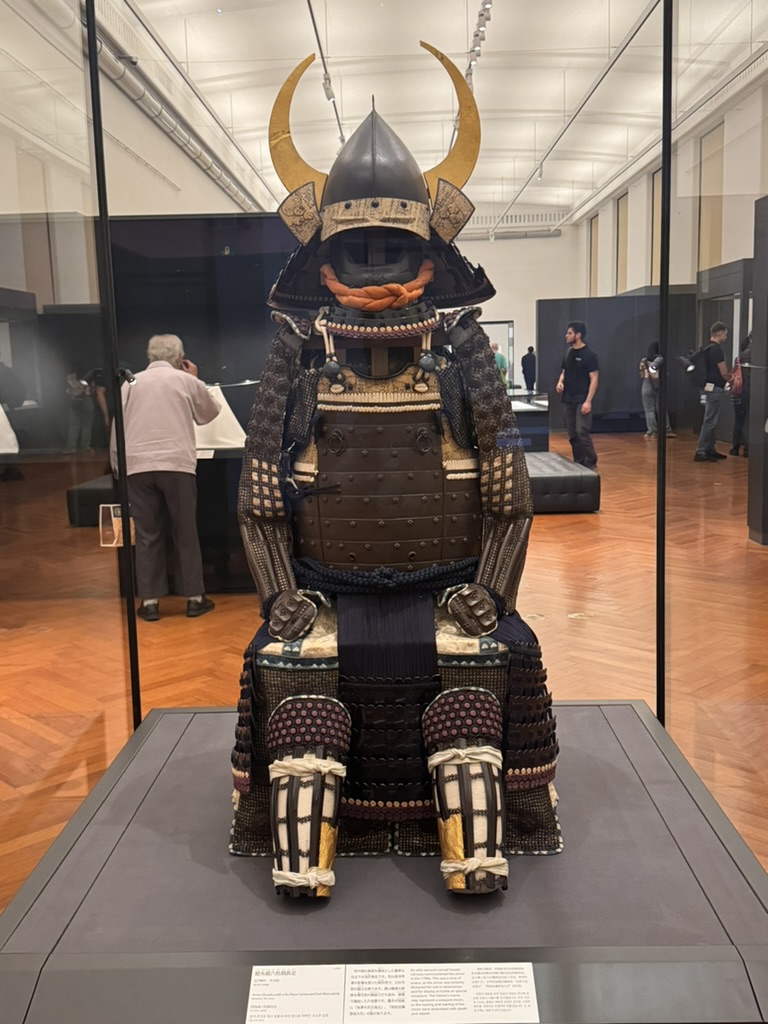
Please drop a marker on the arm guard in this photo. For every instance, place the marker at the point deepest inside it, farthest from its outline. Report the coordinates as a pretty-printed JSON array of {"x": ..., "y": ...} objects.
[
  {"x": 261, "y": 509},
  {"x": 505, "y": 487}
]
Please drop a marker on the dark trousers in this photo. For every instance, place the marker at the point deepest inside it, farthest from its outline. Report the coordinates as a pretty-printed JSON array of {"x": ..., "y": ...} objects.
[
  {"x": 740, "y": 419},
  {"x": 529, "y": 381},
  {"x": 706, "y": 442},
  {"x": 164, "y": 506},
  {"x": 578, "y": 426}
]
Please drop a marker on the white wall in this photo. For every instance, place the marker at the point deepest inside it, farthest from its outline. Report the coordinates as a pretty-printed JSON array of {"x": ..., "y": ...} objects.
[
  {"x": 147, "y": 173},
  {"x": 524, "y": 270}
]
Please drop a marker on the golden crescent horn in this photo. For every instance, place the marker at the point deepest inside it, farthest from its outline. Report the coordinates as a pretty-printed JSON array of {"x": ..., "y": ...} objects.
[
  {"x": 462, "y": 156},
  {"x": 290, "y": 168}
]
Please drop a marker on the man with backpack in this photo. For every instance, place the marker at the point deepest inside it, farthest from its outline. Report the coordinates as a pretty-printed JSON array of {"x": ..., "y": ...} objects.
[{"x": 715, "y": 376}]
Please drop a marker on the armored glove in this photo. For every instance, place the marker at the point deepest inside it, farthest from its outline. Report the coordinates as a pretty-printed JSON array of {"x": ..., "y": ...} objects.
[
  {"x": 473, "y": 608},
  {"x": 292, "y": 613}
]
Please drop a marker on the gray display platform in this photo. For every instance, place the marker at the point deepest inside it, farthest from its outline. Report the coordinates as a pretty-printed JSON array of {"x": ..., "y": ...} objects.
[{"x": 655, "y": 911}]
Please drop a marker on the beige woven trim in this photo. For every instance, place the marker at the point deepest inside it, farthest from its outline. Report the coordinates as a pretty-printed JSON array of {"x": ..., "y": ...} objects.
[
  {"x": 396, "y": 406},
  {"x": 304, "y": 468},
  {"x": 457, "y": 465},
  {"x": 375, "y": 212},
  {"x": 462, "y": 476},
  {"x": 532, "y": 771}
]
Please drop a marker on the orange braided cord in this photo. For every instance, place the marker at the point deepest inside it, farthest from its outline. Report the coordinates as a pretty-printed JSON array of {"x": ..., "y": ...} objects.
[{"x": 375, "y": 297}]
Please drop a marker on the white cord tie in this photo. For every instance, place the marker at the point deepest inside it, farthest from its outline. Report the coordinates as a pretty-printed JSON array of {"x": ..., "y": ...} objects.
[
  {"x": 309, "y": 765},
  {"x": 466, "y": 755},
  {"x": 313, "y": 878},
  {"x": 493, "y": 865}
]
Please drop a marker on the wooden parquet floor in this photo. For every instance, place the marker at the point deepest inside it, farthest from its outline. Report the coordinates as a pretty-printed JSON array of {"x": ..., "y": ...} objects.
[{"x": 588, "y": 591}]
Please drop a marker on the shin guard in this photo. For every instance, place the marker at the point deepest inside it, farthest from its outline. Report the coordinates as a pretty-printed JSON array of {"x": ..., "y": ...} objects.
[
  {"x": 308, "y": 738},
  {"x": 462, "y": 733}
]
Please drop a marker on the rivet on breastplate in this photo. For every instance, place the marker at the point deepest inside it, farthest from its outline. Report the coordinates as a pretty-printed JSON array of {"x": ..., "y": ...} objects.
[
  {"x": 410, "y": 476},
  {"x": 323, "y": 451},
  {"x": 364, "y": 453},
  {"x": 409, "y": 430},
  {"x": 453, "y": 497},
  {"x": 395, "y": 500},
  {"x": 350, "y": 476},
  {"x": 410, "y": 522},
  {"x": 367, "y": 547},
  {"x": 366, "y": 501},
  {"x": 379, "y": 430},
  {"x": 342, "y": 545},
  {"x": 328, "y": 543},
  {"x": 351, "y": 430},
  {"x": 325, "y": 500},
  {"x": 437, "y": 497},
  {"x": 465, "y": 539},
  {"x": 396, "y": 546},
  {"x": 338, "y": 501},
  {"x": 312, "y": 544},
  {"x": 435, "y": 543},
  {"x": 309, "y": 501},
  {"x": 326, "y": 522},
  {"x": 436, "y": 474},
  {"x": 393, "y": 453},
  {"x": 325, "y": 428},
  {"x": 382, "y": 523},
  {"x": 423, "y": 544},
  {"x": 436, "y": 520},
  {"x": 311, "y": 522},
  {"x": 379, "y": 476},
  {"x": 424, "y": 497},
  {"x": 453, "y": 540},
  {"x": 454, "y": 519},
  {"x": 323, "y": 476},
  {"x": 353, "y": 524},
  {"x": 466, "y": 495}
]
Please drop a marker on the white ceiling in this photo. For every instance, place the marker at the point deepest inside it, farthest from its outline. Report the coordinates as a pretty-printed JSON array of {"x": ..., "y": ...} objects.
[{"x": 538, "y": 62}]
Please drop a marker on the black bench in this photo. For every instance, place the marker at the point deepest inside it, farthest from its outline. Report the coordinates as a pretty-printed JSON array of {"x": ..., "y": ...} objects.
[
  {"x": 83, "y": 500},
  {"x": 557, "y": 484},
  {"x": 561, "y": 486}
]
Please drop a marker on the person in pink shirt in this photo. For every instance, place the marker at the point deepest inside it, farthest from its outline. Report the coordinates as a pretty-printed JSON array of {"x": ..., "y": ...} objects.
[{"x": 161, "y": 405}]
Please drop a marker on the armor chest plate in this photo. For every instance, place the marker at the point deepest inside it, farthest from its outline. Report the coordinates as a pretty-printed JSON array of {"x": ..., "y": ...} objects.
[{"x": 387, "y": 498}]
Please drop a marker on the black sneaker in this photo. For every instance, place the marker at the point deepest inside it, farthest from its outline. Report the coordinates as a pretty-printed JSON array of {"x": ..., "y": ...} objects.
[
  {"x": 149, "y": 612},
  {"x": 716, "y": 455},
  {"x": 705, "y": 457},
  {"x": 733, "y": 451},
  {"x": 195, "y": 608}
]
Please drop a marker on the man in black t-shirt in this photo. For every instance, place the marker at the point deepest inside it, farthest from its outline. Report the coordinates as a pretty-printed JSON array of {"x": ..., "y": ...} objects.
[
  {"x": 577, "y": 384},
  {"x": 717, "y": 378}
]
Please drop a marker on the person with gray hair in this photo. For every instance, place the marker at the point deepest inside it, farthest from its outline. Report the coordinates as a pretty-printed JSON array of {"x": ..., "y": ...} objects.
[{"x": 160, "y": 408}]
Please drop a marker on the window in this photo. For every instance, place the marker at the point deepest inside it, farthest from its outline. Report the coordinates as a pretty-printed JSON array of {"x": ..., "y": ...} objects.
[
  {"x": 593, "y": 255},
  {"x": 711, "y": 198},
  {"x": 656, "y": 227},
  {"x": 622, "y": 246}
]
